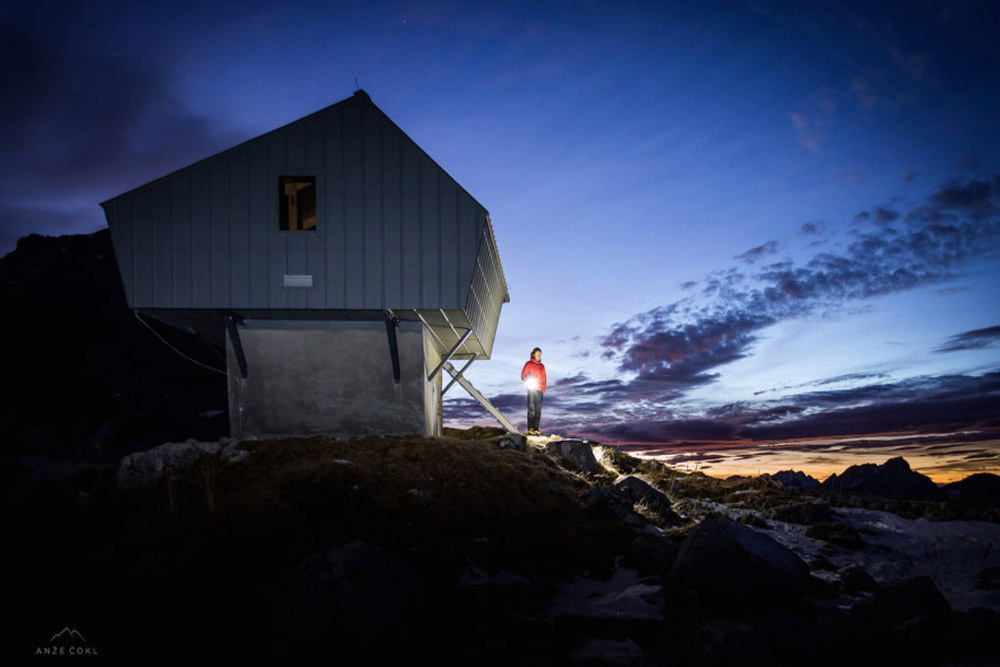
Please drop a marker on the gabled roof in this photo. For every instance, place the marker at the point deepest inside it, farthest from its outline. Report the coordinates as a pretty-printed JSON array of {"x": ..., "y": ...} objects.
[{"x": 394, "y": 230}]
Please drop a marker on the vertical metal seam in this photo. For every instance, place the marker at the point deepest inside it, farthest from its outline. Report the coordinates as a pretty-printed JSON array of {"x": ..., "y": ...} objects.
[
  {"x": 135, "y": 286},
  {"x": 173, "y": 250},
  {"x": 190, "y": 177},
  {"x": 229, "y": 218},
  {"x": 272, "y": 209},
  {"x": 343, "y": 207},
  {"x": 152, "y": 240},
  {"x": 440, "y": 248},
  {"x": 364, "y": 217},
  {"x": 458, "y": 244},
  {"x": 211, "y": 239},
  {"x": 246, "y": 219},
  {"x": 400, "y": 216},
  {"x": 381, "y": 199},
  {"x": 420, "y": 230}
]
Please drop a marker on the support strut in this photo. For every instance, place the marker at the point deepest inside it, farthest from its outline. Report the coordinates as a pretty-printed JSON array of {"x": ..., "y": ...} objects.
[
  {"x": 454, "y": 379},
  {"x": 391, "y": 322},
  {"x": 451, "y": 353},
  {"x": 234, "y": 338},
  {"x": 476, "y": 394}
]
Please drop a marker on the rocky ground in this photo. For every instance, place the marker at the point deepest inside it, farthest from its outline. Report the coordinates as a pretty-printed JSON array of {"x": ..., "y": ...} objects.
[{"x": 480, "y": 548}]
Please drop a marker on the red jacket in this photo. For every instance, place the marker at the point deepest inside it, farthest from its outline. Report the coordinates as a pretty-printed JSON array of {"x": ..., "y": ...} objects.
[{"x": 534, "y": 369}]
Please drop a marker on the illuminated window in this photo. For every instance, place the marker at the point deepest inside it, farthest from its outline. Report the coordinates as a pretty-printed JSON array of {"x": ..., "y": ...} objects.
[{"x": 297, "y": 201}]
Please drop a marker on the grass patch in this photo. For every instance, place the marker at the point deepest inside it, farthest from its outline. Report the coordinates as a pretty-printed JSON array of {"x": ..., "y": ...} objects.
[{"x": 448, "y": 498}]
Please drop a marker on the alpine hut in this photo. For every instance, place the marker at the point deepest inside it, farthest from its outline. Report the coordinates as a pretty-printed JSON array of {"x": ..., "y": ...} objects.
[{"x": 339, "y": 266}]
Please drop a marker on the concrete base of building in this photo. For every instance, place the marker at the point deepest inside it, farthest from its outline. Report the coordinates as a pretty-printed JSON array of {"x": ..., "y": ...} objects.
[{"x": 333, "y": 378}]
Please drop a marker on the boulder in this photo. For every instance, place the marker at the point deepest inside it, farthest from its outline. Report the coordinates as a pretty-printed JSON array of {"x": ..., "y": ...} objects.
[
  {"x": 625, "y": 596},
  {"x": 770, "y": 640},
  {"x": 607, "y": 498},
  {"x": 854, "y": 580},
  {"x": 988, "y": 579},
  {"x": 651, "y": 554},
  {"x": 607, "y": 653},
  {"x": 976, "y": 632},
  {"x": 576, "y": 454},
  {"x": 836, "y": 533},
  {"x": 724, "y": 562},
  {"x": 513, "y": 441},
  {"x": 901, "y": 604},
  {"x": 908, "y": 623},
  {"x": 803, "y": 513},
  {"x": 652, "y": 499},
  {"x": 143, "y": 469},
  {"x": 356, "y": 600}
]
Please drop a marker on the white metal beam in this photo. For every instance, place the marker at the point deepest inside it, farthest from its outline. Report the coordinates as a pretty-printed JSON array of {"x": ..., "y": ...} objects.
[{"x": 483, "y": 401}]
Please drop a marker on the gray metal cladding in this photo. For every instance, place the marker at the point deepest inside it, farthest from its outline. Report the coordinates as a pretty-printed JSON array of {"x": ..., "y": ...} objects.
[
  {"x": 393, "y": 229},
  {"x": 488, "y": 291}
]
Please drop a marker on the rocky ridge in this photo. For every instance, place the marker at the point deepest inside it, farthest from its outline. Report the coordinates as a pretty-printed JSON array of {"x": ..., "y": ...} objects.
[{"x": 479, "y": 547}]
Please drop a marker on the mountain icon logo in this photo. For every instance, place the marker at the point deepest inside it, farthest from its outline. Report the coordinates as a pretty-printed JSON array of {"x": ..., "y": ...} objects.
[
  {"x": 67, "y": 641},
  {"x": 67, "y": 636}
]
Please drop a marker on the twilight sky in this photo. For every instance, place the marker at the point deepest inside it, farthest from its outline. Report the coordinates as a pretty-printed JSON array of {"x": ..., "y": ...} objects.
[{"x": 720, "y": 220}]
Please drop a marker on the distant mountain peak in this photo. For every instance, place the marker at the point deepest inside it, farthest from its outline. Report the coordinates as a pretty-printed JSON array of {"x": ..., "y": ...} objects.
[
  {"x": 893, "y": 479},
  {"x": 795, "y": 479},
  {"x": 897, "y": 462}
]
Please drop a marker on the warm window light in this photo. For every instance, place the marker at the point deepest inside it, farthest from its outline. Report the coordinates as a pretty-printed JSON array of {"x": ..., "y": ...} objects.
[{"x": 297, "y": 203}]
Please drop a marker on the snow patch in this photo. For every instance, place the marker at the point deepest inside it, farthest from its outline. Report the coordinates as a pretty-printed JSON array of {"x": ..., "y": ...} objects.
[
  {"x": 951, "y": 553},
  {"x": 623, "y": 597}
]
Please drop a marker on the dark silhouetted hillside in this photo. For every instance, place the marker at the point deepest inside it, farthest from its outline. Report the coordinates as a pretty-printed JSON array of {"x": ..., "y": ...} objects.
[
  {"x": 893, "y": 479},
  {"x": 83, "y": 380}
]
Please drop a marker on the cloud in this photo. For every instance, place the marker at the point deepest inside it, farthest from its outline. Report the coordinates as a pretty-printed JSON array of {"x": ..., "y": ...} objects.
[
  {"x": 81, "y": 121},
  {"x": 880, "y": 215},
  {"x": 754, "y": 254},
  {"x": 673, "y": 430},
  {"x": 972, "y": 198},
  {"x": 665, "y": 352},
  {"x": 926, "y": 403},
  {"x": 668, "y": 357},
  {"x": 976, "y": 339},
  {"x": 884, "y": 216},
  {"x": 865, "y": 91},
  {"x": 806, "y": 131},
  {"x": 922, "y": 404},
  {"x": 851, "y": 377},
  {"x": 967, "y": 163}
]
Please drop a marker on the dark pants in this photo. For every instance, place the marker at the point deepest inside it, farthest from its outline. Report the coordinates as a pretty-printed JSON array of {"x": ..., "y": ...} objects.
[{"x": 534, "y": 409}]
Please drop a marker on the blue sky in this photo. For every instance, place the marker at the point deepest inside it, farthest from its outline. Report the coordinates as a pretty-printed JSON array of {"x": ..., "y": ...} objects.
[{"x": 720, "y": 220}]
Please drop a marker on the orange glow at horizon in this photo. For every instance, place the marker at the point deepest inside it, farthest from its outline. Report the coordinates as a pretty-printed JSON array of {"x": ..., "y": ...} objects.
[{"x": 941, "y": 459}]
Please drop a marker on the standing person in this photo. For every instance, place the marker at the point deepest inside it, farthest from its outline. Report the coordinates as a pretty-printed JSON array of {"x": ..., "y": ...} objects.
[{"x": 533, "y": 376}]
